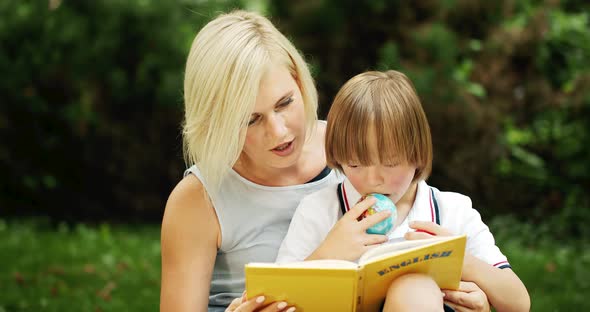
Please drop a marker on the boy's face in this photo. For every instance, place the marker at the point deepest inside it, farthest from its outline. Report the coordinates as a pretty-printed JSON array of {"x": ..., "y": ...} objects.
[{"x": 391, "y": 179}]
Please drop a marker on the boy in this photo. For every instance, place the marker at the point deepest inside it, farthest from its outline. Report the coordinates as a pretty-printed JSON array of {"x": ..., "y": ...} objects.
[{"x": 379, "y": 137}]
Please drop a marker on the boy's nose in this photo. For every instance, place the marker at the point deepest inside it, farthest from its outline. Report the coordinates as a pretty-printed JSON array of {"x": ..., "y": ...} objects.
[{"x": 374, "y": 177}]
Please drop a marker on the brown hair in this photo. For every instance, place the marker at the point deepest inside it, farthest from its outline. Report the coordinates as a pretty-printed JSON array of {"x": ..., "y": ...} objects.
[{"x": 383, "y": 104}]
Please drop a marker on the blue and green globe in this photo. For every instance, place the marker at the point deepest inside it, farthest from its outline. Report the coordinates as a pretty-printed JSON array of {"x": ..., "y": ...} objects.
[{"x": 383, "y": 203}]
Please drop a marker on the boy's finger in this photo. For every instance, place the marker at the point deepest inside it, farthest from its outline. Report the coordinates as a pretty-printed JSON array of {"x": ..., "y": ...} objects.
[
  {"x": 375, "y": 239},
  {"x": 429, "y": 227},
  {"x": 358, "y": 209},
  {"x": 417, "y": 235},
  {"x": 374, "y": 219}
]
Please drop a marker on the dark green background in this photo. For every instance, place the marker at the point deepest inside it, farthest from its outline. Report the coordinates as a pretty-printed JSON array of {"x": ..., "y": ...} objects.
[
  {"x": 91, "y": 96},
  {"x": 90, "y": 144}
]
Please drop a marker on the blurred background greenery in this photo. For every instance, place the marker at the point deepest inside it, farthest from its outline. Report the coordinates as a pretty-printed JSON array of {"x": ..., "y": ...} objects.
[{"x": 91, "y": 103}]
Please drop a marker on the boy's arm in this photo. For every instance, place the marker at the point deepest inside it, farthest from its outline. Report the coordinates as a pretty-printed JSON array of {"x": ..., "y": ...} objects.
[{"x": 313, "y": 219}]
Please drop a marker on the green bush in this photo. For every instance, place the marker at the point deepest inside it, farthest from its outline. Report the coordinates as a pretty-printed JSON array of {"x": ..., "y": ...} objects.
[
  {"x": 504, "y": 84},
  {"x": 92, "y": 97},
  {"x": 92, "y": 102}
]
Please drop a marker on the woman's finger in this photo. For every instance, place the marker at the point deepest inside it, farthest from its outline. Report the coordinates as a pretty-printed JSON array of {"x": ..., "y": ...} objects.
[
  {"x": 258, "y": 304},
  {"x": 251, "y": 305},
  {"x": 455, "y": 307},
  {"x": 456, "y": 297},
  {"x": 234, "y": 305},
  {"x": 469, "y": 296},
  {"x": 278, "y": 306}
]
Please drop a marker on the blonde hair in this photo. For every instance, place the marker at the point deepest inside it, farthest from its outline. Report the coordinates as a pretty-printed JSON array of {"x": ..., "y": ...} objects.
[
  {"x": 226, "y": 63},
  {"x": 383, "y": 104}
]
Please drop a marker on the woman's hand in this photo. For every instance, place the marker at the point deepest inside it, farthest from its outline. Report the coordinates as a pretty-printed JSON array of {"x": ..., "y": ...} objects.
[
  {"x": 348, "y": 239},
  {"x": 469, "y": 297},
  {"x": 257, "y": 304}
]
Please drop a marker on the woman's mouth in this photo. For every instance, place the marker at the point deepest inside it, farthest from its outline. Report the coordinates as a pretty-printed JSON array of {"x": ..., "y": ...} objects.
[{"x": 284, "y": 149}]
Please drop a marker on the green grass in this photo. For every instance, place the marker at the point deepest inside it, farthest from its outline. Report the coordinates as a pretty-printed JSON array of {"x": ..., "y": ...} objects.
[
  {"x": 555, "y": 271},
  {"x": 80, "y": 268},
  {"x": 117, "y": 268}
]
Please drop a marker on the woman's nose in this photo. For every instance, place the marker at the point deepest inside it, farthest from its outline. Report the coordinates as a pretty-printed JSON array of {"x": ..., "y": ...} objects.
[{"x": 276, "y": 126}]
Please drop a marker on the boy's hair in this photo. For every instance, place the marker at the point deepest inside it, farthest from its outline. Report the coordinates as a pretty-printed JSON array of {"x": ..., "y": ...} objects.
[
  {"x": 225, "y": 66},
  {"x": 385, "y": 105}
]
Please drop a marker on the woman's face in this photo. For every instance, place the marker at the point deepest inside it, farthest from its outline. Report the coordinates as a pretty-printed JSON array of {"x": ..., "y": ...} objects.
[{"x": 276, "y": 130}]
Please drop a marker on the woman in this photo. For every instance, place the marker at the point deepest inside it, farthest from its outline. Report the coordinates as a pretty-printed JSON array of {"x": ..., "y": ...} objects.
[
  {"x": 252, "y": 136},
  {"x": 255, "y": 148}
]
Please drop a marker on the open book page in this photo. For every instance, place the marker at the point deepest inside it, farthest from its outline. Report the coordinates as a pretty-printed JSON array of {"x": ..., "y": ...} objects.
[
  {"x": 320, "y": 264},
  {"x": 441, "y": 258},
  {"x": 397, "y": 246}
]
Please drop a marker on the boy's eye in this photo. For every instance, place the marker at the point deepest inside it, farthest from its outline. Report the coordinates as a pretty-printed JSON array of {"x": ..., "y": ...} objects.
[
  {"x": 392, "y": 165},
  {"x": 352, "y": 166}
]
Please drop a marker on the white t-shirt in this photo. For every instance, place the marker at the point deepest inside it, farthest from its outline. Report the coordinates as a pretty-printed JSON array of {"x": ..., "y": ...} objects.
[{"x": 318, "y": 212}]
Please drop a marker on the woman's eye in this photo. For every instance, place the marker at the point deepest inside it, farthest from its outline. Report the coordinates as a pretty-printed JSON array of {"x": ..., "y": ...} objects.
[
  {"x": 392, "y": 165},
  {"x": 286, "y": 102},
  {"x": 352, "y": 166},
  {"x": 253, "y": 120}
]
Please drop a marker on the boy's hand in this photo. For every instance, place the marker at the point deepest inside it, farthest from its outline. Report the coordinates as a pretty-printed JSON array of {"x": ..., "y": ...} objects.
[
  {"x": 348, "y": 239},
  {"x": 426, "y": 229},
  {"x": 469, "y": 297}
]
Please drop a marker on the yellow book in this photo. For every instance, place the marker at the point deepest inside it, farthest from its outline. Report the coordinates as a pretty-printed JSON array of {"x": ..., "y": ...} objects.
[{"x": 338, "y": 285}]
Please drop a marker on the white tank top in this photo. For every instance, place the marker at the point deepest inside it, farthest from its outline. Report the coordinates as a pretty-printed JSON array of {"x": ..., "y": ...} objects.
[{"x": 254, "y": 219}]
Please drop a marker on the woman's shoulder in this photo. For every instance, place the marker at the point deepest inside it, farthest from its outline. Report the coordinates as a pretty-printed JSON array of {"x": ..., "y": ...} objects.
[
  {"x": 188, "y": 206},
  {"x": 190, "y": 188}
]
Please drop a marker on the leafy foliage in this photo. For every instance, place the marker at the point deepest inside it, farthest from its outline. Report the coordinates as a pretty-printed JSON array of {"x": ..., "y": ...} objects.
[
  {"x": 92, "y": 105},
  {"x": 92, "y": 97},
  {"x": 505, "y": 86}
]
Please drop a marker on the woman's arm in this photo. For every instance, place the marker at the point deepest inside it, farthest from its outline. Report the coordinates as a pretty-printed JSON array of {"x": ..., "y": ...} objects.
[
  {"x": 504, "y": 289},
  {"x": 190, "y": 236},
  {"x": 469, "y": 297}
]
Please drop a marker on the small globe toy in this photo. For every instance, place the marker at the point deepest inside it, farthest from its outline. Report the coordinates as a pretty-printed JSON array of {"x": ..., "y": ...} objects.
[{"x": 383, "y": 203}]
